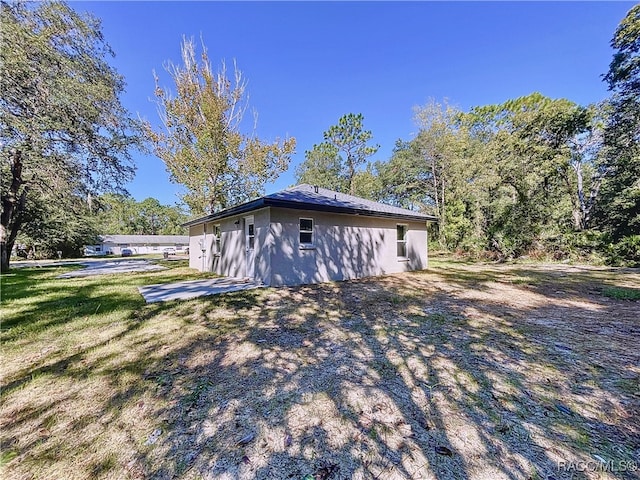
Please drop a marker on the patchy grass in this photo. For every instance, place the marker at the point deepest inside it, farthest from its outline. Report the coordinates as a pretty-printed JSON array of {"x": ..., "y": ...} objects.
[
  {"x": 622, "y": 293},
  {"x": 465, "y": 371}
]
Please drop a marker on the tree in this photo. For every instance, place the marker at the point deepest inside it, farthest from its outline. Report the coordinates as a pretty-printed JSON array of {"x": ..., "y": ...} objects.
[
  {"x": 451, "y": 171},
  {"x": 619, "y": 209},
  {"x": 64, "y": 135},
  {"x": 326, "y": 167},
  {"x": 121, "y": 214},
  {"x": 405, "y": 180},
  {"x": 585, "y": 171},
  {"x": 323, "y": 167},
  {"x": 436, "y": 123},
  {"x": 202, "y": 143},
  {"x": 539, "y": 149},
  {"x": 50, "y": 229}
]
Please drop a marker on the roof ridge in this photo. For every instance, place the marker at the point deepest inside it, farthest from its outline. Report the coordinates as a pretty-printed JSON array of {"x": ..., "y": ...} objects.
[{"x": 317, "y": 198}]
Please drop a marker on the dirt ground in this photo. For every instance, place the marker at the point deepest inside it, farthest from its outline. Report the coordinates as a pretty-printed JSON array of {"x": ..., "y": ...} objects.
[{"x": 464, "y": 371}]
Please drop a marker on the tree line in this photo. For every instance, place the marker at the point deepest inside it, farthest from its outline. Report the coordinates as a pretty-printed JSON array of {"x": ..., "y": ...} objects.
[
  {"x": 532, "y": 175},
  {"x": 66, "y": 141},
  {"x": 107, "y": 214}
]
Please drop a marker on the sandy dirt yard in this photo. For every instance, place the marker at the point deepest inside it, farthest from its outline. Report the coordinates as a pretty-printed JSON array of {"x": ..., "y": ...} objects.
[{"x": 464, "y": 371}]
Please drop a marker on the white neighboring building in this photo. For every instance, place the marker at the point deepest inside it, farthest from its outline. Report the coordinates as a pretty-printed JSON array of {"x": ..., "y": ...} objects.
[{"x": 138, "y": 244}]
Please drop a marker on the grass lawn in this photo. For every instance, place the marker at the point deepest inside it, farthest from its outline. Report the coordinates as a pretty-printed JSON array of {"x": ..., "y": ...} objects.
[{"x": 464, "y": 371}]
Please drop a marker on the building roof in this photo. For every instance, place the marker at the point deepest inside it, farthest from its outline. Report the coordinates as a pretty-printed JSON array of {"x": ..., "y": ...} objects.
[
  {"x": 309, "y": 197},
  {"x": 144, "y": 239}
]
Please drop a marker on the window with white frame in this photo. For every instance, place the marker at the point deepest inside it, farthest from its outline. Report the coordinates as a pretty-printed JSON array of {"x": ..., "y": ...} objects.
[
  {"x": 218, "y": 239},
  {"x": 306, "y": 231},
  {"x": 401, "y": 240},
  {"x": 251, "y": 234}
]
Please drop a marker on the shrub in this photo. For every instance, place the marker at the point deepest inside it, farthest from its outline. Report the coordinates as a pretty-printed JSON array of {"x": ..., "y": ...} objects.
[{"x": 625, "y": 252}]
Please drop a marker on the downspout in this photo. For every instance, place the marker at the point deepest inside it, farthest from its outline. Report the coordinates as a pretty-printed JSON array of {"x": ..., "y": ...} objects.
[
  {"x": 204, "y": 247},
  {"x": 426, "y": 234}
]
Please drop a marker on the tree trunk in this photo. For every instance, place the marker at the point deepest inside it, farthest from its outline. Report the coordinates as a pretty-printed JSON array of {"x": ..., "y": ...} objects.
[
  {"x": 5, "y": 250},
  {"x": 443, "y": 213},
  {"x": 583, "y": 206},
  {"x": 352, "y": 173},
  {"x": 579, "y": 209},
  {"x": 13, "y": 203},
  {"x": 435, "y": 187}
]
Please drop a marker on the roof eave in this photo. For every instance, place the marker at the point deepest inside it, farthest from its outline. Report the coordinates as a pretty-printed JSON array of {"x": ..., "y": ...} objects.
[
  {"x": 273, "y": 202},
  {"x": 347, "y": 210},
  {"x": 230, "y": 212}
]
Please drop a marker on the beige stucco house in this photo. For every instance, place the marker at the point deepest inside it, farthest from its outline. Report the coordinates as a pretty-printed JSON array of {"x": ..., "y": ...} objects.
[{"x": 307, "y": 234}]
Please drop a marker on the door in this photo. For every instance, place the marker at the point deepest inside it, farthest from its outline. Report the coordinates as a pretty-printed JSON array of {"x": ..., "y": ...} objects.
[{"x": 250, "y": 241}]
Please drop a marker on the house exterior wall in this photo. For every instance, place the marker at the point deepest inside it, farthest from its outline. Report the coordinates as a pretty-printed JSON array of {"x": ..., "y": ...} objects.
[
  {"x": 231, "y": 261},
  {"x": 263, "y": 245},
  {"x": 196, "y": 234},
  {"x": 344, "y": 247}
]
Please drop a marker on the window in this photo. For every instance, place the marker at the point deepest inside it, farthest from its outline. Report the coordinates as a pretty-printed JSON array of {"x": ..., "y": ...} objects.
[
  {"x": 251, "y": 235},
  {"x": 98, "y": 249},
  {"x": 402, "y": 240},
  {"x": 217, "y": 238},
  {"x": 306, "y": 231}
]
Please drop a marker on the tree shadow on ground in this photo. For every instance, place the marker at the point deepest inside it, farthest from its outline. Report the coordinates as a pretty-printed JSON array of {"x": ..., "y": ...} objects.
[
  {"x": 421, "y": 375},
  {"x": 390, "y": 378}
]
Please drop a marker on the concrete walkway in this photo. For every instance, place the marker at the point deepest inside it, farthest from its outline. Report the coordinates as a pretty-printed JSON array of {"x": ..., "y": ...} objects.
[
  {"x": 193, "y": 289},
  {"x": 106, "y": 267}
]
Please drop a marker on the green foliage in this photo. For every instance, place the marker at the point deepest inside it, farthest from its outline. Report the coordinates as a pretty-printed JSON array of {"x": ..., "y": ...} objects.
[
  {"x": 518, "y": 178},
  {"x": 456, "y": 177},
  {"x": 63, "y": 131},
  {"x": 121, "y": 214},
  {"x": 624, "y": 70},
  {"x": 619, "y": 211},
  {"x": 50, "y": 230},
  {"x": 335, "y": 163},
  {"x": 366, "y": 183},
  {"x": 202, "y": 142},
  {"x": 538, "y": 155},
  {"x": 624, "y": 252},
  {"x": 323, "y": 167},
  {"x": 404, "y": 179}
]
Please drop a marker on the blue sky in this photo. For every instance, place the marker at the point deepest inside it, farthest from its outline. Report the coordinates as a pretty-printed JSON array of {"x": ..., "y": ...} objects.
[{"x": 308, "y": 63}]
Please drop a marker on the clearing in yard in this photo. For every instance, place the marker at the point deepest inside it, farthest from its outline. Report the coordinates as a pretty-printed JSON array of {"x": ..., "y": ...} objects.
[{"x": 464, "y": 371}]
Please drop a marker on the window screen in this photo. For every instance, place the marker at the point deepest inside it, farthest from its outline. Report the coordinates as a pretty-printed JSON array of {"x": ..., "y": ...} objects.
[
  {"x": 402, "y": 240},
  {"x": 306, "y": 230},
  {"x": 218, "y": 238},
  {"x": 251, "y": 235}
]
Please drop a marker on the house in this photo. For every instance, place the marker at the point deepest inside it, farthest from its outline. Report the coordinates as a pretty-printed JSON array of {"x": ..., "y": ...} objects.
[
  {"x": 138, "y": 244},
  {"x": 308, "y": 234}
]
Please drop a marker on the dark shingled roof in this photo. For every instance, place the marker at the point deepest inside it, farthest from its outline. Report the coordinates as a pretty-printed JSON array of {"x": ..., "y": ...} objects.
[{"x": 309, "y": 197}]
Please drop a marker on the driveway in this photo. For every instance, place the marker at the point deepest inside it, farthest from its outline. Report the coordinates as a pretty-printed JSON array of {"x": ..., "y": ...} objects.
[
  {"x": 106, "y": 267},
  {"x": 194, "y": 288}
]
